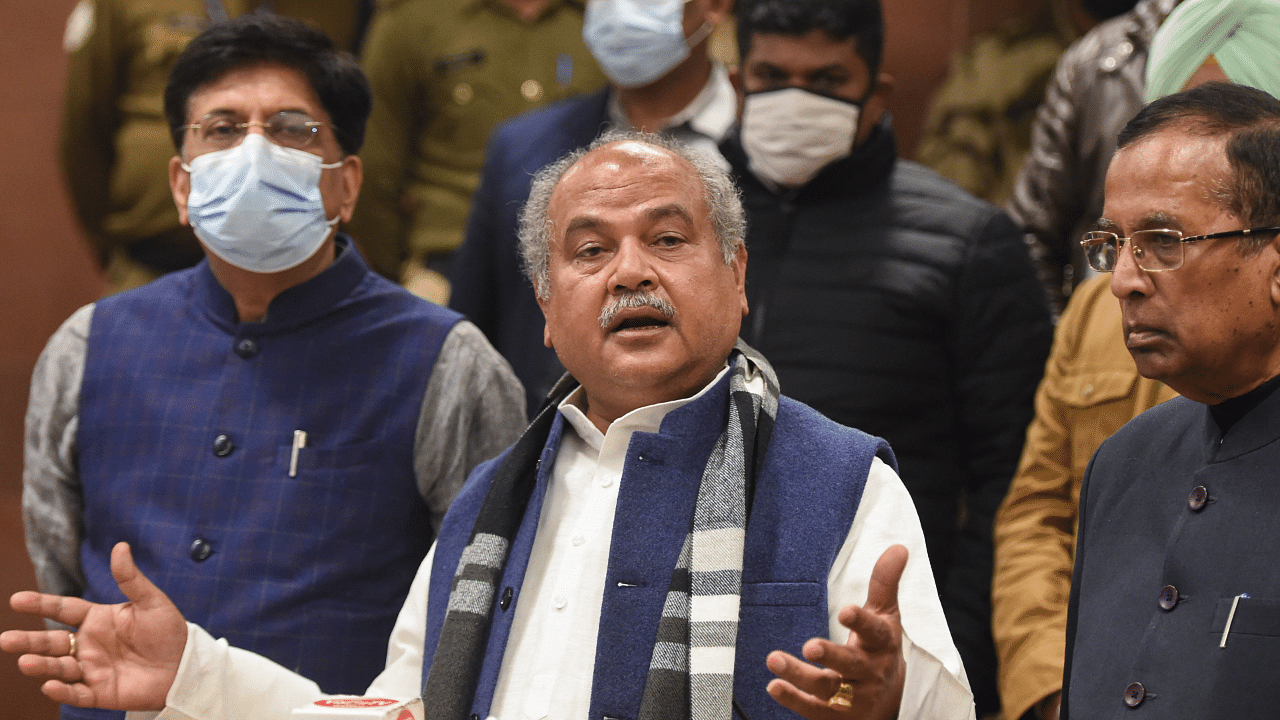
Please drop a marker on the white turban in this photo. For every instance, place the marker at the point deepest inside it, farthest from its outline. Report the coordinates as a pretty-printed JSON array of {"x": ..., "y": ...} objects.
[{"x": 1242, "y": 35}]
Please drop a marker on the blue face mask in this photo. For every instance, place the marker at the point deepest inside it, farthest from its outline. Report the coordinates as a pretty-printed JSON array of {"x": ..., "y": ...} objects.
[
  {"x": 638, "y": 41},
  {"x": 258, "y": 205}
]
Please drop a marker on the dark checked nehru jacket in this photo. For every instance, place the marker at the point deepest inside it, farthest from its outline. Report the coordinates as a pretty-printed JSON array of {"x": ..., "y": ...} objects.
[
  {"x": 1176, "y": 521},
  {"x": 187, "y": 422}
]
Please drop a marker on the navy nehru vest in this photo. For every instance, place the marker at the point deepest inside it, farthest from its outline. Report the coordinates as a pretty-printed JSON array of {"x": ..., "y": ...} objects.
[
  {"x": 803, "y": 505},
  {"x": 187, "y": 422}
]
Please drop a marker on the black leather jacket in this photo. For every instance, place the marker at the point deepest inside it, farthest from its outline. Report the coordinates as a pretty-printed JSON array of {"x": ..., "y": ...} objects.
[{"x": 1096, "y": 90}]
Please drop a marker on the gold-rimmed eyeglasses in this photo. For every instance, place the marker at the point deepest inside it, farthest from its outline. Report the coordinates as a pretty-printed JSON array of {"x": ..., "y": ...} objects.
[
  {"x": 288, "y": 128},
  {"x": 1153, "y": 250}
]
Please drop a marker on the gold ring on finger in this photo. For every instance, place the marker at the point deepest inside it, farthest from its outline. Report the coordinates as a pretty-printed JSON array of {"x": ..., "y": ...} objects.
[
  {"x": 843, "y": 697},
  {"x": 71, "y": 638}
]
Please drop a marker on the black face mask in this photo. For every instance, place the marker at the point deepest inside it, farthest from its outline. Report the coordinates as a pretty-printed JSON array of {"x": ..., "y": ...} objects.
[{"x": 1103, "y": 9}]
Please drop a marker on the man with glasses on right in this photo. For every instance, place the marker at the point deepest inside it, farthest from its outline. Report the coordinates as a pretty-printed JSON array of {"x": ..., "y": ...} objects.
[{"x": 1175, "y": 607}]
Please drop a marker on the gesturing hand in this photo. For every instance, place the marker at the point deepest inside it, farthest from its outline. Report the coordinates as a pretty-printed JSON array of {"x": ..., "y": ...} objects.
[
  {"x": 126, "y": 655},
  {"x": 869, "y": 664}
]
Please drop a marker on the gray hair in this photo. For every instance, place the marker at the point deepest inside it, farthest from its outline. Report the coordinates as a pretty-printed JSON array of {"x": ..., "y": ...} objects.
[{"x": 721, "y": 195}]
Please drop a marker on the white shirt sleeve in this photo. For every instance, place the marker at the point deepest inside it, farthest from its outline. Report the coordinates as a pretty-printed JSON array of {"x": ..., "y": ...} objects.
[
  {"x": 936, "y": 686},
  {"x": 218, "y": 682}
]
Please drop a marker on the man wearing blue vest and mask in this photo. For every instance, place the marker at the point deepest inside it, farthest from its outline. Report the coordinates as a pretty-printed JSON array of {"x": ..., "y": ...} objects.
[
  {"x": 886, "y": 297},
  {"x": 654, "y": 53},
  {"x": 664, "y": 539},
  {"x": 277, "y": 431}
]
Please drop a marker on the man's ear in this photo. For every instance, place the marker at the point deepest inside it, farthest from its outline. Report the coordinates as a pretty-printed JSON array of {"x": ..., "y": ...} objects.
[
  {"x": 543, "y": 304},
  {"x": 1274, "y": 249},
  {"x": 740, "y": 272},
  {"x": 180, "y": 186},
  {"x": 875, "y": 107},
  {"x": 352, "y": 171}
]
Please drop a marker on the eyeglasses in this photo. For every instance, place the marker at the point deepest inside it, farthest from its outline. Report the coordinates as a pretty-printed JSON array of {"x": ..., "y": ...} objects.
[
  {"x": 1153, "y": 250},
  {"x": 288, "y": 128}
]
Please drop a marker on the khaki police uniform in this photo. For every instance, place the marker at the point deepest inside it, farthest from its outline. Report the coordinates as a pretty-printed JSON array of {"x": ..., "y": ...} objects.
[
  {"x": 978, "y": 129},
  {"x": 116, "y": 146},
  {"x": 444, "y": 74}
]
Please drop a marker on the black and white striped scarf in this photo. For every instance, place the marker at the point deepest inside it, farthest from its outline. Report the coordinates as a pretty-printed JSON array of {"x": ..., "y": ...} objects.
[{"x": 691, "y": 672}]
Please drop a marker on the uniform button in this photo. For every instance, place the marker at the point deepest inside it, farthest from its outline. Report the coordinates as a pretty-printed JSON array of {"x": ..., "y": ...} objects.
[
  {"x": 246, "y": 348},
  {"x": 1199, "y": 496},
  {"x": 1086, "y": 391},
  {"x": 462, "y": 93},
  {"x": 531, "y": 90},
  {"x": 1109, "y": 63},
  {"x": 505, "y": 602},
  {"x": 578, "y": 539},
  {"x": 1134, "y": 694},
  {"x": 606, "y": 482},
  {"x": 1168, "y": 597},
  {"x": 560, "y": 602},
  {"x": 222, "y": 446},
  {"x": 201, "y": 550}
]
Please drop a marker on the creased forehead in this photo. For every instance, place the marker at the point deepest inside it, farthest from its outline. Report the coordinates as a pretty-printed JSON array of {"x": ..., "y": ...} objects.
[
  {"x": 1166, "y": 168},
  {"x": 628, "y": 154},
  {"x": 623, "y": 164}
]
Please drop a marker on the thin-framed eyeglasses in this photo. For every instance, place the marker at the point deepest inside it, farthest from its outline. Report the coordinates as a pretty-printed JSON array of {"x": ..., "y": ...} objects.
[
  {"x": 287, "y": 128},
  {"x": 1154, "y": 250}
]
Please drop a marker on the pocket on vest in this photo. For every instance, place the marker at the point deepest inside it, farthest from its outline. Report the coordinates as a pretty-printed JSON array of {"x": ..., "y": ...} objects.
[
  {"x": 781, "y": 593},
  {"x": 1252, "y": 616}
]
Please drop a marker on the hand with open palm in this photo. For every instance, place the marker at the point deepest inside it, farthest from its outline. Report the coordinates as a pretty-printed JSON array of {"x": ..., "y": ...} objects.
[
  {"x": 126, "y": 655},
  {"x": 870, "y": 665}
]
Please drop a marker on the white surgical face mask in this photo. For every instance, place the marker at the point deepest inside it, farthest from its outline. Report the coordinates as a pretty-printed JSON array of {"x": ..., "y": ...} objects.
[
  {"x": 791, "y": 134},
  {"x": 638, "y": 41},
  {"x": 257, "y": 205}
]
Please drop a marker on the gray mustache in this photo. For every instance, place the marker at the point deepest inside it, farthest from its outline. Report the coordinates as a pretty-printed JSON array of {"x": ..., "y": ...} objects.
[{"x": 634, "y": 299}]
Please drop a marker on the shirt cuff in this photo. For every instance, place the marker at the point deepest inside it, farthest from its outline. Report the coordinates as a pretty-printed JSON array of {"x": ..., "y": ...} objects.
[
  {"x": 218, "y": 682},
  {"x": 929, "y": 690}
]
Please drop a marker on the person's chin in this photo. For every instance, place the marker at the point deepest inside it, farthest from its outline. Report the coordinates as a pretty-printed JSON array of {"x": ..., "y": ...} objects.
[{"x": 1154, "y": 363}]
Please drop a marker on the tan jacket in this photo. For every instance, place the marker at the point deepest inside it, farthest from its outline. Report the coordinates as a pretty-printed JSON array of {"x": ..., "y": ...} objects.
[{"x": 1090, "y": 388}]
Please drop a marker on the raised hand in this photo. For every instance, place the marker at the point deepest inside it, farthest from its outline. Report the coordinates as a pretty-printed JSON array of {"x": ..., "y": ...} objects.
[
  {"x": 125, "y": 656},
  {"x": 861, "y": 678}
]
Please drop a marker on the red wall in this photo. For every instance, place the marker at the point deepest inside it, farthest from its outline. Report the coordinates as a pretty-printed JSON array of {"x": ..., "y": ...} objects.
[{"x": 47, "y": 273}]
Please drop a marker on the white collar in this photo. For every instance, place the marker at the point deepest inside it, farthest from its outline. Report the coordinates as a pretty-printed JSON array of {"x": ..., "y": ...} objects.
[
  {"x": 711, "y": 113},
  {"x": 642, "y": 419}
]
